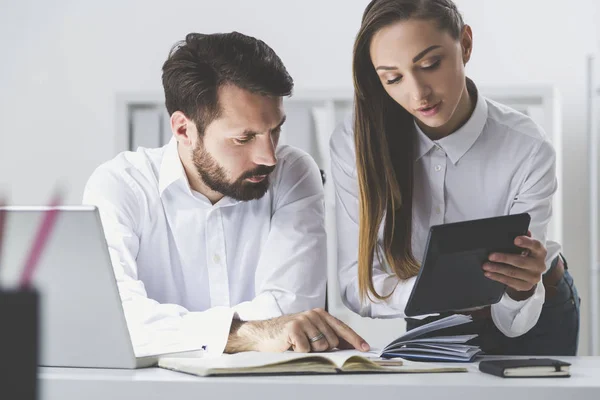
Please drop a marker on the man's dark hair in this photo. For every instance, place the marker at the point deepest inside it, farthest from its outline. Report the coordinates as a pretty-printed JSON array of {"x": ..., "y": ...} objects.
[{"x": 199, "y": 65}]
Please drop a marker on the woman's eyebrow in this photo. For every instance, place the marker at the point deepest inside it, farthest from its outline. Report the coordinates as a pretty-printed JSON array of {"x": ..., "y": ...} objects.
[
  {"x": 422, "y": 54},
  {"x": 414, "y": 60}
]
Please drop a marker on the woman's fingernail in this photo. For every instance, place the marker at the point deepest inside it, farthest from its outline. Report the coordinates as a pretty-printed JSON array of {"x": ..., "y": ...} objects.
[
  {"x": 365, "y": 346},
  {"x": 519, "y": 241}
]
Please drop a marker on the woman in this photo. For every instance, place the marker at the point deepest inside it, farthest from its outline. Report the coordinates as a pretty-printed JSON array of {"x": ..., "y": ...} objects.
[{"x": 424, "y": 148}]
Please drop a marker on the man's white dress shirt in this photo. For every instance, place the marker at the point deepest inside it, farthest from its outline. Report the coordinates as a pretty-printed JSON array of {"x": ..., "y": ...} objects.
[
  {"x": 185, "y": 267},
  {"x": 499, "y": 162}
]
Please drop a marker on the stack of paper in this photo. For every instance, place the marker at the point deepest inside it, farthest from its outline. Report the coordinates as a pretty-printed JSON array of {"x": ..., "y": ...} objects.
[{"x": 427, "y": 343}]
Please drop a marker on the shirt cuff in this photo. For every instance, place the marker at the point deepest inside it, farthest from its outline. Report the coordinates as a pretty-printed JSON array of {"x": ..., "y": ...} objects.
[
  {"x": 264, "y": 306},
  {"x": 514, "y": 318},
  {"x": 207, "y": 331}
]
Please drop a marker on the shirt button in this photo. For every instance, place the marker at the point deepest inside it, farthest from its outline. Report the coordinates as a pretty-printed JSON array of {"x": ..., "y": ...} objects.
[
  {"x": 216, "y": 259},
  {"x": 438, "y": 168},
  {"x": 438, "y": 210}
]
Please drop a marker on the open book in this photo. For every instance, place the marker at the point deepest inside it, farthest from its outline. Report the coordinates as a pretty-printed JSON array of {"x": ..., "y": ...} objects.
[
  {"x": 443, "y": 340},
  {"x": 255, "y": 363}
]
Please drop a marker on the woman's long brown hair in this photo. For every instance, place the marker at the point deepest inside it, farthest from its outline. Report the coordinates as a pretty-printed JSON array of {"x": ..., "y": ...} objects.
[{"x": 384, "y": 139}]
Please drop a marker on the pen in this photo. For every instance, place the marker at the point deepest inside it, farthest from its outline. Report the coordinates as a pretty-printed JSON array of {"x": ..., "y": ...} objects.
[{"x": 41, "y": 238}]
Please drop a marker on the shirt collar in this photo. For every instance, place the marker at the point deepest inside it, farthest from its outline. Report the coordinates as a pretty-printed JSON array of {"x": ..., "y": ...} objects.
[
  {"x": 171, "y": 171},
  {"x": 460, "y": 141},
  {"x": 171, "y": 168}
]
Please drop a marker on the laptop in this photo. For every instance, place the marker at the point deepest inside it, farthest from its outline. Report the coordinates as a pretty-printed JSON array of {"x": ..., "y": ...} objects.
[{"x": 82, "y": 323}]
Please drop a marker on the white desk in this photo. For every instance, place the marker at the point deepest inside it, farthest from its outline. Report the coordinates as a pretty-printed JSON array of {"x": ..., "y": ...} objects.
[{"x": 154, "y": 383}]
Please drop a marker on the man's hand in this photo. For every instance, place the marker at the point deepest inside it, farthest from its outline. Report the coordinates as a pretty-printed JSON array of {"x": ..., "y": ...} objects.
[
  {"x": 314, "y": 330},
  {"x": 520, "y": 272}
]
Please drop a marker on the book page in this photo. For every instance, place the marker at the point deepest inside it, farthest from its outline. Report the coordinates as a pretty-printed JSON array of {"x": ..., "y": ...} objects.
[
  {"x": 451, "y": 341},
  {"x": 452, "y": 320},
  {"x": 290, "y": 362},
  {"x": 249, "y": 361}
]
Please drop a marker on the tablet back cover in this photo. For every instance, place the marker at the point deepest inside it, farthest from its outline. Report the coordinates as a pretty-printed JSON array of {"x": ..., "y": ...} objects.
[{"x": 451, "y": 276}]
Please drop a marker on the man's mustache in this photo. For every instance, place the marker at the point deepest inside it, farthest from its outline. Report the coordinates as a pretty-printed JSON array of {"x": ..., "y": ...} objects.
[{"x": 260, "y": 170}]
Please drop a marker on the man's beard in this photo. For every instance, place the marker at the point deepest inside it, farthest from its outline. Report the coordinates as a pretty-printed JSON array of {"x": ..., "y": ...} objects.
[{"x": 213, "y": 175}]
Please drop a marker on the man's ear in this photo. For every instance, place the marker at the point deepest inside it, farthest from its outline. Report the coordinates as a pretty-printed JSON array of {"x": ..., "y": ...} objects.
[
  {"x": 182, "y": 128},
  {"x": 466, "y": 43}
]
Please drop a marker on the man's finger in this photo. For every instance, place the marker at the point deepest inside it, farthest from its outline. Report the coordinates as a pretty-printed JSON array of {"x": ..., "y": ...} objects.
[
  {"x": 346, "y": 333},
  {"x": 316, "y": 339},
  {"x": 343, "y": 345},
  {"x": 299, "y": 341},
  {"x": 330, "y": 337}
]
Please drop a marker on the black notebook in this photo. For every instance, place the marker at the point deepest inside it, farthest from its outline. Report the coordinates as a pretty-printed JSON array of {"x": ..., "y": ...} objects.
[{"x": 527, "y": 368}]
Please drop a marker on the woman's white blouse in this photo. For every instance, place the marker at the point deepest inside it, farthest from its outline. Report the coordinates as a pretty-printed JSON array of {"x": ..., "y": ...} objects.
[{"x": 500, "y": 162}]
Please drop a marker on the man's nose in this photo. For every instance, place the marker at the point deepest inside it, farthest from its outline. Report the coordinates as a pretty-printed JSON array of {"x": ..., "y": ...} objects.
[{"x": 265, "y": 152}]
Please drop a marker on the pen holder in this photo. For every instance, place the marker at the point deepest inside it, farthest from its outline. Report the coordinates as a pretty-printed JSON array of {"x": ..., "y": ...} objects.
[{"x": 19, "y": 344}]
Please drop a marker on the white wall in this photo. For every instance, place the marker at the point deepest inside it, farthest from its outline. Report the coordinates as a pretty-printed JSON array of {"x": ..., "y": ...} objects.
[{"x": 62, "y": 63}]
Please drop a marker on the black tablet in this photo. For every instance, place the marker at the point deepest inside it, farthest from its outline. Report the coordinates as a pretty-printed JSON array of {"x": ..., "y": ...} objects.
[{"x": 451, "y": 277}]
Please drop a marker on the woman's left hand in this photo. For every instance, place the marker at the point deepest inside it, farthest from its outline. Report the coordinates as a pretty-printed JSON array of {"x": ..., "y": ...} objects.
[{"x": 520, "y": 272}]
